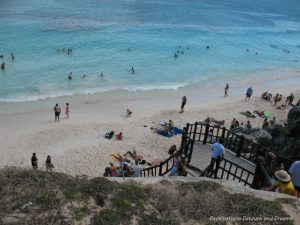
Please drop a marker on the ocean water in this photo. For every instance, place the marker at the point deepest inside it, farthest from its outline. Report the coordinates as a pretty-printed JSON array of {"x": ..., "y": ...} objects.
[{"x": 100, "y": 32}]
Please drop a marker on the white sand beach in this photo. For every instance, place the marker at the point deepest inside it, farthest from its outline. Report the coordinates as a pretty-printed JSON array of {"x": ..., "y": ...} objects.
[{"x": 77, "y": 145}]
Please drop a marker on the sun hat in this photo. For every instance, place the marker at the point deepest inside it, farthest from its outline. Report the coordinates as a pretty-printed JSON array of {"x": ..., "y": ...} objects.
[{"x": 282, "y": 175}]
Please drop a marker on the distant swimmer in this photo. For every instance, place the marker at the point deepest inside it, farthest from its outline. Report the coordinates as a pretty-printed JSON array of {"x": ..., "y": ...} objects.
[
  {"x": 3, "y": 66},
  {"x": 178, "y": 51},
  {"x": 1, "y": 56},
  {"x": 101, "y": 75},
  {"x": 248, "y": 50},
  {"x": 256, "y": 53},
  {"x": 182, "y": 52},
  {"x": 128, "y": 49},
  {"x": 12, "y": 56},
  {"x": 175, "y": 55},
  {"x": 179, "y": 46},
  {"x": 70, "y": 76},
  {"x": 207, "y": 47},
  {"x": 132, "y": 70},
  {"x": 84, "y": 76},
  {"x": 187, "y": 48}
]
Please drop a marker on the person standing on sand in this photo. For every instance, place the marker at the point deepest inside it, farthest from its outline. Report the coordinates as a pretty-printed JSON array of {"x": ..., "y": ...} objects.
[
  {"x": 249, "y": 93},
  {"x": 226, "y": 90},
  {"x": 49, "y": 164},
  {"x": 34, "y": 162},
  {"x": 67, "y": 110},
  {"x": 183, "y": 103},
  {"x": 57, "y": 111}
]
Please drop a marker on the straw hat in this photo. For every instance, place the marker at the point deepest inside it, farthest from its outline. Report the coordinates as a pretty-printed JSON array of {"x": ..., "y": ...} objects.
[{"x": 282, "y": 175}]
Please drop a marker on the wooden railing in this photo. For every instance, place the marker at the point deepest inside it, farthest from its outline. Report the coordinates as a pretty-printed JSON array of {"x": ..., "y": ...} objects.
[
  {"x": 165, "y": 167},
  {"x": 208, "y": 134},
  {"x": 232, "y": 171}
]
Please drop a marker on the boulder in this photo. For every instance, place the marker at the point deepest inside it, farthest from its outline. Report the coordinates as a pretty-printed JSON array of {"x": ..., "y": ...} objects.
[
  {"x": 293, "y": 122},
  {"x": 256, "y": 135}
]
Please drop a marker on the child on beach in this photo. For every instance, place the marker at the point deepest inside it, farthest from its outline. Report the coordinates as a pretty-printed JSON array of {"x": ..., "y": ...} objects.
[{"x": 67, "y": 110}]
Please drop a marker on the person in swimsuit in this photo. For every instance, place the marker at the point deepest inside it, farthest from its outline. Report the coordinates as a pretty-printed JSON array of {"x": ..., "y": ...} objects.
[
  {"x": 67, "y": 110},
  {"x": 57, "y": 111},
  {"x": 226, "y": 90},
  {"x": 183, "y": 103}
]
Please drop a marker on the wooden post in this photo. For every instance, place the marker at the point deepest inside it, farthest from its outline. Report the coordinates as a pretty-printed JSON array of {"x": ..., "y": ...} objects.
[
  {"x": 195, "y": 130},
  {"x": 206, "y": 134},
  {"x": 223, "y": 132},
  {"x": 160, "y": 170},
  {"x": 240, "y": 147},
  {"x": 191, "y": 142}
]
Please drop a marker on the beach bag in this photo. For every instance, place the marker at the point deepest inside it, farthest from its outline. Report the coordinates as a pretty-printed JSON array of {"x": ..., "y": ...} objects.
[{"x": 109, "y": 135}]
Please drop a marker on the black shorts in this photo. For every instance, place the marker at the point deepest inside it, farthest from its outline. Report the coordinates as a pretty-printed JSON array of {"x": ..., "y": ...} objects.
[
  {"x": 182, "y": 104},
  {"x": 57, "y": 114}
]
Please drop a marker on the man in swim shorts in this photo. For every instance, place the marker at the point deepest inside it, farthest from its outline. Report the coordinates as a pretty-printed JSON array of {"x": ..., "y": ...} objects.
[{"x": 57, "y": 111}]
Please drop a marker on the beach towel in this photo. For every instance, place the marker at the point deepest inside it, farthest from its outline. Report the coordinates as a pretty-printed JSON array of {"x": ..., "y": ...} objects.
[
  {"x": 174, "y": 132},
  {"x": 268, "y": 114}
]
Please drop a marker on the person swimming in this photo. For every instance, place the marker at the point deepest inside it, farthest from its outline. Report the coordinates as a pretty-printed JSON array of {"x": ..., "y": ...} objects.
[
  {"x": 207, "y": 47},
  {"x": 101, "y": 75},
  {"x": 12, "y": 56},
  {"x": 84, "y": 76},
  {"x": 3, "y": 66},
  {"x": 132, "y": 70},
  {"x": 175, "y": 55},
  {"x": 70, "y": 76}
]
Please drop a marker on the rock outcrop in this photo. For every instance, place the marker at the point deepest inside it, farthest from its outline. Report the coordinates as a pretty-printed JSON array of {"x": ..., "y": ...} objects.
[{"x": 284, "y": 141}]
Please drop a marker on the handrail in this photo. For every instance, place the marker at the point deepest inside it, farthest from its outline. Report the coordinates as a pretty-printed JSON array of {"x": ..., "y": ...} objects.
[
  {"x": 205, "y": 133},
  {"x": 164, "y": 167}
]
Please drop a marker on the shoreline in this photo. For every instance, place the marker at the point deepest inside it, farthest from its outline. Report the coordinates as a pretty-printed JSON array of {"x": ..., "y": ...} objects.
[{"x": 77, "y": 145}]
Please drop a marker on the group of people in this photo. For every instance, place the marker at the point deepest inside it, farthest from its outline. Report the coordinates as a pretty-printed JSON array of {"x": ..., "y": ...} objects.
[
  {"x": 3, "y": 63},
  {"x": 287, "y": 182},
  {"x": 70, "y": 76},
  {"x": 179, "y": 51},
  {"x": 278, "y": 101},
  {"x": 68, "y": 51},
  {"x": 126, "y": 167},
  {"x": 48, "y": 163},
  {"x": 57, "y": 111},
  {"x": 235, "y": 123}
]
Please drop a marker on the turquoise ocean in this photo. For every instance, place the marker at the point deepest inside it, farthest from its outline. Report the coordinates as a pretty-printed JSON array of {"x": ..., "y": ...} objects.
[{"x": 111, "y": 36}]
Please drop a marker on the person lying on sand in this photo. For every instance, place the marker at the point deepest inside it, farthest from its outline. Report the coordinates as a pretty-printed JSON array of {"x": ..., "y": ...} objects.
[
  {"x": 133, "y": 154},
  {"x": 260, "y": 113},
  {"x": 218, "y": 122},
  {"x": 248, "y": 114}
]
